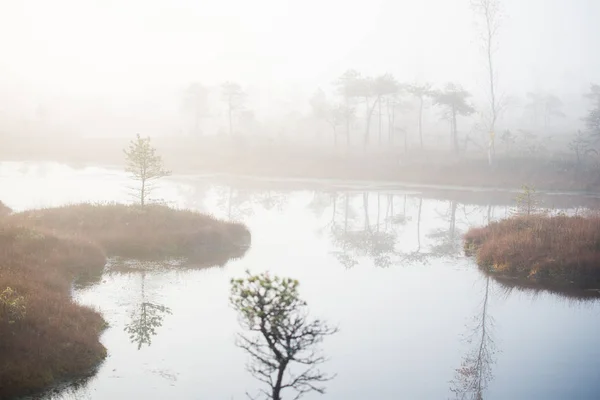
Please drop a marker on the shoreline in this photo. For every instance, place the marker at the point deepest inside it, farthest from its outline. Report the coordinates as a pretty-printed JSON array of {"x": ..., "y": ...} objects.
[{"x": 377, "y": 182}]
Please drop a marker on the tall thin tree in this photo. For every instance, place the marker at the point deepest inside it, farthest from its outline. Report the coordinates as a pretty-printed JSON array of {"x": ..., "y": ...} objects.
[
  {"x": 488, "y": 12},
  {"x": 233, "y": 96},
  {"x": 420, "y": 91}
]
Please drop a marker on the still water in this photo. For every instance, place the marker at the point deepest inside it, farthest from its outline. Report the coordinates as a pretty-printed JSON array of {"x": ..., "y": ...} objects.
[{"x": 382, "y": 263}]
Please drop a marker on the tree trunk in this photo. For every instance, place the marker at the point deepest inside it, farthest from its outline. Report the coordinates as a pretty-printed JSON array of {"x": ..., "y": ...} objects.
[
  {"x": 369, "y": 110},
  {"x": 230, "y": 122},
  {"x": 419, "y": 224},
  {"x": 278, "y": 382},
  {"x": 455, "y": 132},
  {"x": 379, "y": 102},
  {"x": 346, "y": 209},
  {"x": 378, "y": 209},
  {"x": 334, "y": 136},
  {"x": 347, "y": 122},
  {"x": 421, "y": 121},
  {"x": 490, "y": 38},
  {"x": 143, "y": 193},
  {"x": 366, "y": 210}
]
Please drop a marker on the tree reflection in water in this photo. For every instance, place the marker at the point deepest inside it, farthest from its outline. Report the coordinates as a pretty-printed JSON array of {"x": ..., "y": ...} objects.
[
  {"x": 369, "y": 240},
  {"x": 475, "y": 371},
  {"x": 358, "y": 234},
  {"x": 145, "y": 318}
]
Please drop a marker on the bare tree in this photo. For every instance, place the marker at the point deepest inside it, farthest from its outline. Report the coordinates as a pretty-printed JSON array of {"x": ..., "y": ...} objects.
[
  {"x": 145, "y": 166},
  {"x": 233, "y": 96},
  {"x": 488, "y": 12},
  {"x": 420, "y": 91},
  {"x": 281, "y": 335}
]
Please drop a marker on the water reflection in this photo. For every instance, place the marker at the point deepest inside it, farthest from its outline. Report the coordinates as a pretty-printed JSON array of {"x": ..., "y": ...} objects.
[
  {"x": 475, "y": 371},
  {"x": 145, "y": 319},
  {"x": 312, "y": 231}
]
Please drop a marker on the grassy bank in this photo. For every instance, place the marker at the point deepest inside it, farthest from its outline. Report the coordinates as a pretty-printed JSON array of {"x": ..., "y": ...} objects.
[
  {"x": 555, "y": 251},
  {"x": 44, "y": 336},
  {"x": 53, "y": 338},
  {"x": 148, "y": 233}
]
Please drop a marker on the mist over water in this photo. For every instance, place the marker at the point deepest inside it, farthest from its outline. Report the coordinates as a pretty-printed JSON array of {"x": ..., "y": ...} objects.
[
  {"x": 386, "y": 264},
  {"x": 357, "y": 140}
]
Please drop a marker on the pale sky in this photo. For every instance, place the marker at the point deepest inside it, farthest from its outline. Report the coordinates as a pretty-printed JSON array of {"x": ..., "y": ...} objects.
[{"x": 131, "y": 51}]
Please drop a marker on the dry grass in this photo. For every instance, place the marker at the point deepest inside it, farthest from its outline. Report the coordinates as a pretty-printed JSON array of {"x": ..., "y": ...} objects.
[
  {"x": 43, "y": 251},
  {"x": 148, "y": 233},
  {"x": 4, "y": 210},
  {"x": 555, "y": 250},
  {"x": 57, "y": 338}
]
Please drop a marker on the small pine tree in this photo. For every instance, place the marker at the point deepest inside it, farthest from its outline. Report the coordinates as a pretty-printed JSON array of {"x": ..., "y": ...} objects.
[
  {"x": 145, "y": 166},
  {"x": 527, "y": 201},
  {"x": 279, "y": 334}
]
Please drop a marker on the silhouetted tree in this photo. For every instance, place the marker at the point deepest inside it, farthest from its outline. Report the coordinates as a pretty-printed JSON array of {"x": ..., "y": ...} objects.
[
  {"x": 333, "y": 115},
  {"x": 384, "y": 86},
  {"x": 233, "y": 96},
  {"x": 195, "y": 103},
  {"x": 454, "y": 100},
  {"x": 592, "y": 119},
  {"x": 347, "y": 86},
  {"x": 508, "y": 139},
  {"x": 543, "y": 107},
  {"x": 579, "y": 145},
  {"x": 145, "y": 165},
  {"x": 488, "y": 11},
  {"x": 371, "y": 91},
  {"x": 420, "y": 91},
  {"x": 281, "y": 334}
]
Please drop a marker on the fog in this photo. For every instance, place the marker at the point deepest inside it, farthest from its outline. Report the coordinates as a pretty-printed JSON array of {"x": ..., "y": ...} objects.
[{"x": 114, "y": 68}]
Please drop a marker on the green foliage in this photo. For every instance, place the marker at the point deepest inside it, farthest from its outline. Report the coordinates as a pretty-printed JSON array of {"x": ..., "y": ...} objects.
[
  {"x": 280, "y": 334},
  {"x": 527, "y": 201},
  {"x": 12, "y": 306},
  {"x": 262, "y": 299},
  {"x": 144, "y": 164}
]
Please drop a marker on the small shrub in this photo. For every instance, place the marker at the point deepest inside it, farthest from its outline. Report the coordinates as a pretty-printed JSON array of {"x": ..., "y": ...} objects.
[
  {"x": 527, "y": 201},
  {"x": 12, "y": 306}
]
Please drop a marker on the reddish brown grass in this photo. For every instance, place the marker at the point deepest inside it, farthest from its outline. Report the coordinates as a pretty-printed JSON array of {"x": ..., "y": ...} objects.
[
  {"x": 553, "y": 249},
  {"x": 57, "y": 338},
  {"x": 43, "y": 251},
  {"x": 151, "y": 232}
]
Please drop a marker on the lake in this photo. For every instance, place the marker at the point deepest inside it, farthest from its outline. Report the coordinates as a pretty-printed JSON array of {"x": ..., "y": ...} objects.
[{"x": 383, "y": 263}]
